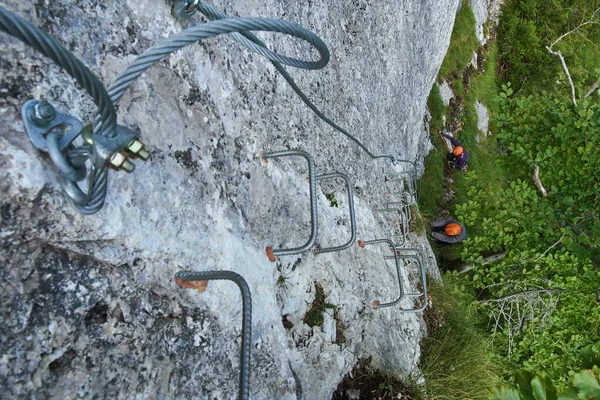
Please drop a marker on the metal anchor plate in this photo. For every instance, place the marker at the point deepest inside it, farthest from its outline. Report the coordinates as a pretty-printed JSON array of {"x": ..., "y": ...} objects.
[{"x": 37, "y": 132}]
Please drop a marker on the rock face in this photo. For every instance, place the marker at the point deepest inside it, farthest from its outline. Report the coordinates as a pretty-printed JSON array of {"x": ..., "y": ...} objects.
[{"x": 89, "y": 307}]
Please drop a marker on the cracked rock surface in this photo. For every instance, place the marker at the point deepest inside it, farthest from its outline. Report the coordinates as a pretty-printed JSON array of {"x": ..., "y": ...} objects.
[{"x": 88, "y": 304}]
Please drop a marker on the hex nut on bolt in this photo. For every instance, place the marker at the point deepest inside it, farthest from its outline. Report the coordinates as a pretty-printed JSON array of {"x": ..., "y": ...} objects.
[
  {"x": 119, "y": 161},
  {"x": 42, "y": 113},
  {"x": 136, "y": 148}
]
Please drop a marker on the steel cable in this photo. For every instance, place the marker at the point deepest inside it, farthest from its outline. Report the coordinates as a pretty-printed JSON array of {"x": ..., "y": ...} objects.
[
  {"x": 215, "y": 28},
  {"x": 39, "y": 40},
  {"x": 248, "y": 39},
  {"x": 107, "y": 125}
]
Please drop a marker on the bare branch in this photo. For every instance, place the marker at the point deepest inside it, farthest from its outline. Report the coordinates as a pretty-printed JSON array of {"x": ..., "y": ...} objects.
[
  {"x": 564, "y": 65},
  {"x": 487, "y": 260},
  {"x": 592, "y": 89},
  {"x": 538, "y": 183},
  {"x": 588, "y": 22},
  {"x": 560, "y": 56},
  {"x": 521, "y": 295},
  {"x": 550, "y": 248}
]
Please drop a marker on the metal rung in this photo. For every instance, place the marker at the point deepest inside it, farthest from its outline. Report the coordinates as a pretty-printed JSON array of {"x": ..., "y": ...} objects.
[
  {"x": 377, "y": 304},
  {"x": 350, "y": 207},
  {"x": 189, "y": 276},
  {"x": 413, "y": 181},
  {"x": 418, "y": 257},
  {"x": 273, "y": 253},
  {"x": 412, "y": 187},
  {"x": 403, "y": 223}
]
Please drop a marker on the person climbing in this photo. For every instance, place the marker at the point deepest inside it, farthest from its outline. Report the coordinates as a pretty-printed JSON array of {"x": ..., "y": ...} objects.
[
  {"x": 459, "y": 156},
  {"x": 448, "y": 231}
]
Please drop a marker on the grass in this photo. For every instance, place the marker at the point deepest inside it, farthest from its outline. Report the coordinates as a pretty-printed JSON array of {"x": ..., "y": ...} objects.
[
  {"x": 431, "y": 196},
  {"x": 314, "y": 316},
  {"x": 416, "y": 224},
  {"x": 457, "y": 362},
  {"x": 463, "y": 42},
  {"x": 437, "y": 109},
  {"x": 485, "y": 86}
]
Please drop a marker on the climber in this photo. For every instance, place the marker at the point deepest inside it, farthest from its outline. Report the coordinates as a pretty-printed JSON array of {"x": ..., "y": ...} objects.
[
  {"x": 448, "y": 231},
  {"x": 459, "y": 156}
]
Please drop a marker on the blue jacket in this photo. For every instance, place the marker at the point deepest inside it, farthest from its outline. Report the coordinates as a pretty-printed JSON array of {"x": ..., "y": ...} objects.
[{"x": 460, "y": 161}]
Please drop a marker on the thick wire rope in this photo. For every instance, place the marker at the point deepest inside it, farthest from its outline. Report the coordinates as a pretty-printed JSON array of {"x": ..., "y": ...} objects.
[
  {"x": 215, "y": 28},
  {"x": 105, "y": 122},
  {"x": 39, "y": 40},
  {"x": 250, "y": 40}
]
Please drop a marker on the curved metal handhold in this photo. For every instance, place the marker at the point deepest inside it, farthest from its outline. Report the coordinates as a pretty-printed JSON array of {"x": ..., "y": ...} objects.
[
  {"x": 351, "y": 209},
  {"x": 313, "y": 203},
  {"x": 418, "y": 257},
  {"x": 413, "y": 180},
  {"x": 188, "y": 276},
  {"x": 403, "y": 222},
  {"x": 377, "y": 304}
]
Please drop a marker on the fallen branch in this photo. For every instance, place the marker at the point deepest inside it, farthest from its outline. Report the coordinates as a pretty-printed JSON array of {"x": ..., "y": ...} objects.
[
  {"x": 522, "y": 294},
  {"x": 487, "y": 260},
  {"x": 592, "y": 89},
  {"x": 536, "y": 178}
]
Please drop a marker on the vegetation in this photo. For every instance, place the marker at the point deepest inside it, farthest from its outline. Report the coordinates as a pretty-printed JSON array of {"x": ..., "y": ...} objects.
[
  {"x": 314, "y": 316},
  {"x": 462, "y": 42},
  {"x": 538, "y": 304},
  {"x": 371, "y": 383},
  {"x": 583, "y": 385},
  {"x": 528, "y": 26},
  {"x": 457, "y": 361},
  {"x": 542, "y": 295}
]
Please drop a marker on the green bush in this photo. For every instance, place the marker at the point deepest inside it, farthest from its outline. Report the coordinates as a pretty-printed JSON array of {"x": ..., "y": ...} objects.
[{"x": 528, "y": 26}]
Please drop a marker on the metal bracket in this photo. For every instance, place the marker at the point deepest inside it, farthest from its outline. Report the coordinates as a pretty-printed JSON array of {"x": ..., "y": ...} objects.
[
  {"x": 351, "y": 209},
  {"x": 378, "y": 304},
  {"x": 273, "y": 253},
  {"x": 41, "y": 117},
  {"x": 183, "y": 279},
  {"x": 44, "y": 126},
  {"x": 417, "y": 256},
  {"x": 405, "y": 216},
  {"x": 184, "y": 9}
]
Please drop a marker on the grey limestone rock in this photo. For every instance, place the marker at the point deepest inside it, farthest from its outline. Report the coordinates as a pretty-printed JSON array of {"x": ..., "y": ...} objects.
[{"x": 89, "y": 307}]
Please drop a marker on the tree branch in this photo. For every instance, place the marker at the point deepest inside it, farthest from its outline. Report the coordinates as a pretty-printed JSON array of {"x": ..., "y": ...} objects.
[
  {"x": 592, "y": 88},
  {"x": 538, "y": 183},
  {"x": 487, "y": 260},
  {"x": 564, "y": 65},
  {"x": 562, "y": 59},
  {"x": 550, "y": 248},
  {"x": 522, "y": 294}
]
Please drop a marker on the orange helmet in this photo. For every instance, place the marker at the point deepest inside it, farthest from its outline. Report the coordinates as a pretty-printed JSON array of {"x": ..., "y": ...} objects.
[
  {"x": 458, "y": 150},
  {"x": 452, "y": 229}
]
